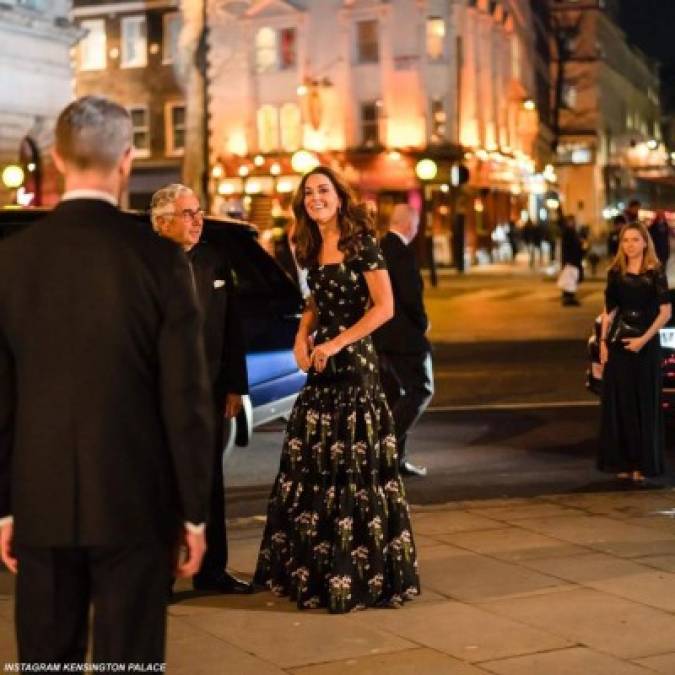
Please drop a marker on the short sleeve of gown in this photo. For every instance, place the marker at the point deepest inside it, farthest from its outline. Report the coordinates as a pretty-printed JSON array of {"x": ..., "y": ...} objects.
[
  {"x": 370, "y": 258},
  {"x": 661, "y": 282},
  {"x": 612, "y": 291}
]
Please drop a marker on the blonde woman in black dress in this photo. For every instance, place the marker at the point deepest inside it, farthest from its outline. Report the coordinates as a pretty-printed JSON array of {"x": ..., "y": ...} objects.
[
  {"x": 338, "y": 528},
  {"x": 637, "y": 305}
]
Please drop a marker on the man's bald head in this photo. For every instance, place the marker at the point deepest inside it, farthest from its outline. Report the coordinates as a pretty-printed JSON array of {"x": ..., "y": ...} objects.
[{"x": 405, "y": 220}]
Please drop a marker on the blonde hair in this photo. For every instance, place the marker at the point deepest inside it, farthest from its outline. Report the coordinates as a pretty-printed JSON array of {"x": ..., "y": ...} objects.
[{"x": 650, "y": 260}]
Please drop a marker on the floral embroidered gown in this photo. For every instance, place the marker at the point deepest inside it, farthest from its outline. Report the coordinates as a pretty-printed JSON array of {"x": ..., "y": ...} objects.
[{"x": 338, "y": 526}]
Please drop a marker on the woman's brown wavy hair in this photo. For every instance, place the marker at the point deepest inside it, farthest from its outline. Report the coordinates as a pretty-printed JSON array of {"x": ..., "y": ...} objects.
[
  {"x": 650, "y": 260},
  {"x": 354, "y": 221}
]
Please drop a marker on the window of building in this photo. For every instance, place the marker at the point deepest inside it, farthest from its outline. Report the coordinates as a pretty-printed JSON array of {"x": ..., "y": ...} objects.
[
  {"x": 141, "y": 131},
  {"x": 268, "y": 128},
  {"x": 438, "y": 120},
  {"x": 287, "y": 48},
  {"x": 133, "y": 42},
  {"x": 435, "y": 38},
  {"x": 175, "y": 128},
  {"x": 172, "y": 28},
  {"x": 569, "y": 96},
  {"x": 516, "y": 58},
  {"x": 266, "y": 50},
  {"x": 291, "y": 127},
  {"x": 370, "y": 128},
  {"x": 367, "y": 46},
  {"x": 93, "y": 45}
]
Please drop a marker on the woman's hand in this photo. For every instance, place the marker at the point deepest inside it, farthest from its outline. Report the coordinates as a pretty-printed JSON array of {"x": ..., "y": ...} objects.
[
  {"x": 323, "y": 352},
  {"x": 633, "y": 344},
  {"x": 301, "y": 352},
  {"x": 604, "y": 352}
]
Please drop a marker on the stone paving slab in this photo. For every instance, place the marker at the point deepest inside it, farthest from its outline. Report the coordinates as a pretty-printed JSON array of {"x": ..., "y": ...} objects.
[
  {"x": 467, "y": 633},
  {"x": 512, "y": 544},
  {"x": 472, "y": 577},
  {"x": 291, "y": 639},
  {"x": 663, "y": 663},
  {"x": 574, "y": 661},
  {"x": 604, "y": 534},
  {"x": 410, "y": 662},
  {"x": 604, "y": 622}
]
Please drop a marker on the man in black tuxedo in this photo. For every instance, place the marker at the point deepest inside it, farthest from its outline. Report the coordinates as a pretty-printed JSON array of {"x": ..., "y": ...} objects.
[
  {"x": 105, "y": 424},
  {"x": 401, "y": 343},
  {"x": 177, "y": 215}
]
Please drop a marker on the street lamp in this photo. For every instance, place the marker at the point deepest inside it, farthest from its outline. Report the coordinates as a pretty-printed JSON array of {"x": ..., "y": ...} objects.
[
  {"x": 304, "y": 161},
  {"x": 12, "y": 176},
  {"x": 426, "y": 170}
]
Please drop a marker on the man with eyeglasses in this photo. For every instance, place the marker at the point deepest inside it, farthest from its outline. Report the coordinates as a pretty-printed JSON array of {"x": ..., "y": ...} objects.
[{"x": 177, "y": 215}]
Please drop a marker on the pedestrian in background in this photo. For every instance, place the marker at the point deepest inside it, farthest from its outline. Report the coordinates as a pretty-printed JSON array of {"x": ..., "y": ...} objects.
[
  {"x": 402, "y": 345},
  {"x": 613, "y": 238},
  {"x": 659, "y": 231},
  {"x": 177, "y": 215},
  {"x": 105, "y": 424},
  {"x": 632, "y": 212},
  {"x": 572, "y": 254},
  {"x": 637, "y": 305}
]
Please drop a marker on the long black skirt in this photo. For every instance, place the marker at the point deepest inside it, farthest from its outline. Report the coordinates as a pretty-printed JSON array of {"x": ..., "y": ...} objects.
[{"x": 632, "y": 434}]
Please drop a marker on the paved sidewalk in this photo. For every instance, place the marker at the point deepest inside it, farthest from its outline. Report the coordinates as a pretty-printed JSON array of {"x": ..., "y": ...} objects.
[{"x": 570, "y": 584}]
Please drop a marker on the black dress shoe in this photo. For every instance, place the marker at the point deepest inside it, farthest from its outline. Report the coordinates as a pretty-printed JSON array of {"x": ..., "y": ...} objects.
[
  {"x": 221, "y": 582},
  {"x": 410, "y": 469}
]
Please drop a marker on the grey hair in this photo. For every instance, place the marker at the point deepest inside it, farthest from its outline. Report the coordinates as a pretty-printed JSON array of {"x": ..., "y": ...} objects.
[
  {"x": 93, "y": 132},
  {"x": 163, "y": 198}
]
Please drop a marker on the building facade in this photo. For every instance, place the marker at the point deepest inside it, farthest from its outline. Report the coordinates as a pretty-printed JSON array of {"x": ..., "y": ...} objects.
[
  {"x": 608, "y": 134},
  {"x": 129, "y": 52},
  {"x": 36, "y": 37},
  {"x": 372, "y": 88}
]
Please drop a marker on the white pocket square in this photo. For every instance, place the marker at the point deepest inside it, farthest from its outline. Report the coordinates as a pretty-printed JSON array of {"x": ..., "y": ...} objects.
[{"x": 219, "y": 283}]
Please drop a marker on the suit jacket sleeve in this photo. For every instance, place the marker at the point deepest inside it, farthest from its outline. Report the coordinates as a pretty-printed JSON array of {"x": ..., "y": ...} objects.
[
  {"x": 234, "y": 373},
  {"x": 406, "y": 282},
  {"x": 7, "y": 403},
  {"x": 185, "y": 391}
]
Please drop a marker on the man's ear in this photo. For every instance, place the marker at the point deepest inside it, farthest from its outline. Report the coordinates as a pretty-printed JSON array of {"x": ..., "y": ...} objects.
[
  {"x": 126, "y": 161},
  {"x": 59, "y": 163}
]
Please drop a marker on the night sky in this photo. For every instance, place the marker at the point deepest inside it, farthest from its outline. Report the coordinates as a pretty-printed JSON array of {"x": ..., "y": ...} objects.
[{"x": 650, "y": 25}]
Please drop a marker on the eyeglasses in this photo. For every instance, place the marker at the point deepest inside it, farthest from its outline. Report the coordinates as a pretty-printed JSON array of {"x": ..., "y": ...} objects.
[{"x": 187, "y": 214}]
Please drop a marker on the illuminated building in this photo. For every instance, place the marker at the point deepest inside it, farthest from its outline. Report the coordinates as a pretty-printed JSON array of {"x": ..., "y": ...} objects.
[
  {"x": 130, "y": 53},
  {"x": 610, "y": 147},
  {"x": 372, "y": 88},
  {"x": 35, "y": 41}
]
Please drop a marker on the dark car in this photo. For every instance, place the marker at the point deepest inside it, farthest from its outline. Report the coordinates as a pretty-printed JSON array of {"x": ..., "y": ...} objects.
[
  {"x": 667, "y": 339},
  {"x": 270, "y": 303}
]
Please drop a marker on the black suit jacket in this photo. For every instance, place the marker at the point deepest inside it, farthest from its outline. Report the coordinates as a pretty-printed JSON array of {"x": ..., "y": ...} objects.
[
  {"x": 405, "y": 332},
  {"x": 223, "y": 334},
  {"x": 105, "y": 408}
]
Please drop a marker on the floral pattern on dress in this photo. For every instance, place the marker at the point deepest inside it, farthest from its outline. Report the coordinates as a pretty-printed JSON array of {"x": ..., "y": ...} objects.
[{"x": 338, "y": 531}]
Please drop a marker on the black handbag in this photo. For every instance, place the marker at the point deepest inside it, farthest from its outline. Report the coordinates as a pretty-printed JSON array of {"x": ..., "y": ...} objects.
[{"x": 625, "y": 326}]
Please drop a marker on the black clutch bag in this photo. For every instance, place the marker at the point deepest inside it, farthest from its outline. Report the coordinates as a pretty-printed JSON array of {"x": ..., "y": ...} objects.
[{"x": 624, "y": 328}]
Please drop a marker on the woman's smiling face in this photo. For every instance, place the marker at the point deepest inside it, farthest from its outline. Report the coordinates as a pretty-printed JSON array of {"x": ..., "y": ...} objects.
[
  {"x": 632, "y": 244},
  {"x": 321, "y": 199}
]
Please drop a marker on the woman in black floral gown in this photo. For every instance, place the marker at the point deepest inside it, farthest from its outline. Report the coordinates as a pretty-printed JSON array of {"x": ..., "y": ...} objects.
[{"x": 338, "y": 526}]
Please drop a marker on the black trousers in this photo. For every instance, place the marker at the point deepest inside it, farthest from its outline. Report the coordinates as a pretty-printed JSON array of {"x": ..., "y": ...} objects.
[
  {"x": 215, "y": 559},
  {"x": 408, "y": 383},
  {"x": 126, "y": 587}
]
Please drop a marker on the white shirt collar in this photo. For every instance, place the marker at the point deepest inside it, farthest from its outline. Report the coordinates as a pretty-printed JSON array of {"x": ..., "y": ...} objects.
[
  {"x": 402, "y": 237},
  {"x": 89, "y": 194}
]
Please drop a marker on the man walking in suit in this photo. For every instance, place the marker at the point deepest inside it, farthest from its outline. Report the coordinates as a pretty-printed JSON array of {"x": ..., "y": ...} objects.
[
  {"x": 105, "y": 424},
  {"x": 401, "y": 343},
  {"x": 177, "y": 215}
]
